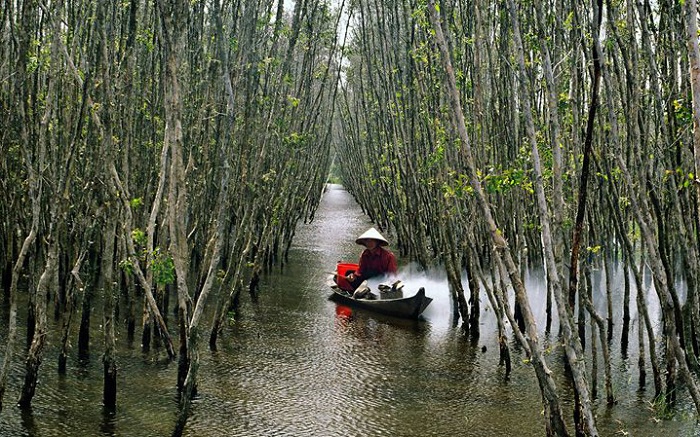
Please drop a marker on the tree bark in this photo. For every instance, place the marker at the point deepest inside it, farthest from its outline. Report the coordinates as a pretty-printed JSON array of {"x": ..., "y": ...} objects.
[
  {"x": 555, "y": 422},
  {"x": 109, "y": 360},
  {"x": 36, "y": 350},
  {"x": 573, "y": 347}
]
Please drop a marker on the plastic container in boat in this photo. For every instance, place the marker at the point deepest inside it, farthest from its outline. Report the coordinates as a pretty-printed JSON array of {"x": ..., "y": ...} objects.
[{"x": 344, "y": 269}]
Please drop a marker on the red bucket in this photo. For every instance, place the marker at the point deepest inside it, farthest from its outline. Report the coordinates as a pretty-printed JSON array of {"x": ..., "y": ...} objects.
[{"x": 344, "y": 269}]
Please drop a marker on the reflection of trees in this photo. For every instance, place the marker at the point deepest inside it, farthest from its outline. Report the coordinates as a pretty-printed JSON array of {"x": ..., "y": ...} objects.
[
  {"x": 155, "y": 149},
  {"x": 487, "y": 133}
]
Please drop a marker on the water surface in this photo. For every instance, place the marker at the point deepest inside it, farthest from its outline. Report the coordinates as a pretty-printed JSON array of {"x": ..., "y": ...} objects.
[{"x": 296, "y": 364}]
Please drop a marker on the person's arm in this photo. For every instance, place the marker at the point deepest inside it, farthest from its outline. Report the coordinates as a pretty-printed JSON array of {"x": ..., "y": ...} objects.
[
  {"x": 392, "y": 266},
  {"x": 360, "y": 272}
]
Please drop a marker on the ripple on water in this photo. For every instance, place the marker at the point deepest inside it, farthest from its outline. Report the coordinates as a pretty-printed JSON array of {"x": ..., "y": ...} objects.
[{"x": 295, "y": 364}]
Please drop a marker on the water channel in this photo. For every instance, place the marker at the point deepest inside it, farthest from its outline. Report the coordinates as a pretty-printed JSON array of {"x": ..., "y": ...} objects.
[{"x": 296, "y": 364}]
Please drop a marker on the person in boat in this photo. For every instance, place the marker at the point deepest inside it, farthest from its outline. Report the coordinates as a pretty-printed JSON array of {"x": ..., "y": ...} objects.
[{"x": 375, "y": 260}]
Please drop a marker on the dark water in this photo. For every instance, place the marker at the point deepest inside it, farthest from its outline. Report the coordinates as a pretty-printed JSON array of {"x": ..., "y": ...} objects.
[{"x": 297, "y": 364}]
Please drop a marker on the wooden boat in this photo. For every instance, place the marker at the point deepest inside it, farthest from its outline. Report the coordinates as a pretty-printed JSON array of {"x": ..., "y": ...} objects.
[{"x": 407, "y": 307}]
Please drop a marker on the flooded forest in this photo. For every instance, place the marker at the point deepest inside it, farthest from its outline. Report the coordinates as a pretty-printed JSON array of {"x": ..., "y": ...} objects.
[{"x": 159, "y": 158}]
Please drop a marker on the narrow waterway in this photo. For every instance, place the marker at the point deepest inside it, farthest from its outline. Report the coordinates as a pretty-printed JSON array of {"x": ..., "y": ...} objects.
[{"x": 296, "y": 364}]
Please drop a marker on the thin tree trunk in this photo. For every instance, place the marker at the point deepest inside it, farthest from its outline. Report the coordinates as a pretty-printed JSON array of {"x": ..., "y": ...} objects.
[
  {"x": 474, "y": 296},
  {"x": 117, "y": 187},
  {"x": 583, "y": 417},
  {"x": 624, "y": 333},
  {"x": 109, "y": 360},
  {"x": 35, "y": 194},
  {"x": 36, "y": 350},
  {"x": 16, "y": 271},
  {"x": 599, "y": 322},
  {"x": 49, "y": 277},
  {"x": 499, "y": 312},
  {"x": 554, "y": 418},
  {"x": 74, "y": 283},
  {"x": 174, "y": 16},
  {"x": 609, "y": 299},
  {"x": 691, "y": 22},
  {"x": 573, "y": 347},
  {"x": 644, "y": 318},
  {"x": 661, "y": 285}
]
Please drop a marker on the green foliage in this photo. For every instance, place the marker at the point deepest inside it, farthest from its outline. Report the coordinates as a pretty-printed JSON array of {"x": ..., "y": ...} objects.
[
  {"x": 334, "y": 178},
  {"x": 568, "y": 22},
  {"x": 436, "y": 156},
  {"x": 231, "y": 317},
  {"x": 420, "y": 15},
  {"x": 683, "y": 180},
  {"x": 144, "y": 37},
  {"x": 39, "y": 58},
  {"x": 682, "y": 112},
  {"x": 269, "y": 176},
  {"x": 563, "y": 102},
  {"x": 233, "y": 44},
  {"x": 456, "y": 186},
  {"x": 138, "y": 236},
  {"x": 532, "y": 40},
  {"x": 136, "y": 203},
  {"x": 594, "y": 250},
  {"x": 504, "y": 180},
  {"x": 532, "y": 226},
  {"x": 662, "y": 407},
  {"x": 127, "y": 265},
  {"x": 420, "y": 54},
  {"x": 163, "y": 267},
  {"x": 220, "y": 275},
  {"x": 294, "y": 140}
]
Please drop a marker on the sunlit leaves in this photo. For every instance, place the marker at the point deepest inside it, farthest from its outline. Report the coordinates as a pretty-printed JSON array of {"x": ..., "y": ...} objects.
[
  {"x": 269, "y": 176},
  {"x": 456, "y": 186},
  {"x": 139, "y": 236},
  {"x": 293, "y": 101},
  {"x": 295, "y": 140},
  {"x": 683, "y": 179},
  {"x": 127, "y": 266},
  {"x": 682, "y": 111},
  {"x": 594, "y": 250},
  {"x": 505, "y": 180},
  {"x": 145, "y": 37}
]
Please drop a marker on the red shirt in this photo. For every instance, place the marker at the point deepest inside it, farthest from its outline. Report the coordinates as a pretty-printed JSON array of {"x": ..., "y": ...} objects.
[{"x": 375, "y": 262}]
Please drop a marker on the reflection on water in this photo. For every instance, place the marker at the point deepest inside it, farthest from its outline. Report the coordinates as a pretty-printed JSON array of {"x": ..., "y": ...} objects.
[{"x": 297, "y": 364}]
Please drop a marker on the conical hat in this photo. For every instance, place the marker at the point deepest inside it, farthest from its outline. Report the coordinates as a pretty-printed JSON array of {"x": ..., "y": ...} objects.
[{"x": 372, "y": 234}]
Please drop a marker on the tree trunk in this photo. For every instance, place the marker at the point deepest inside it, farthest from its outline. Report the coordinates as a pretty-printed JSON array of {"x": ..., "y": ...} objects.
[
  {"x": 116, "y": 187},
  {"x": 691, "y": 22},
  {"x": 109, "y": 361},
  {"x": 555, "y": 422},
  {"x": 12, "y": 321},
  {"x": 573, "y": 347},
  {"x": 74, "y": 282},
  {"x": 661, "y": 285},
  {"x": 36, "y": 350},
  {"x": 474, "y": 297}
]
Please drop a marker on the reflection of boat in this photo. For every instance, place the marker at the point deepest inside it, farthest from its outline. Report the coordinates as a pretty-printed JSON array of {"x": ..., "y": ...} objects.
[{"x": 407, "y": 307}]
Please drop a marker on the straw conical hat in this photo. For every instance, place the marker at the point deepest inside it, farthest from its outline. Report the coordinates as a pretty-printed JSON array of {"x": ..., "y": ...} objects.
[{"x": 372, "y": 234}]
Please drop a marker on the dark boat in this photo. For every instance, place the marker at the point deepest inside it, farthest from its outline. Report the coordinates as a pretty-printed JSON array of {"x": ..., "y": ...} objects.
[{"x": 407, "y": 307}]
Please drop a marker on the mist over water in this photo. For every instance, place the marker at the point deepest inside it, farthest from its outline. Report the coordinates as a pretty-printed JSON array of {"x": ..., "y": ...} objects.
[{"x": 293, "y": 363}]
